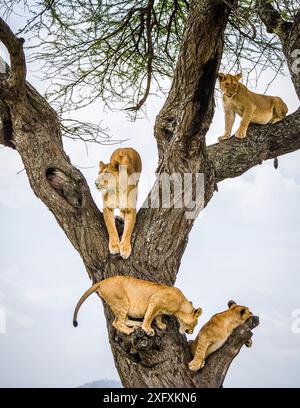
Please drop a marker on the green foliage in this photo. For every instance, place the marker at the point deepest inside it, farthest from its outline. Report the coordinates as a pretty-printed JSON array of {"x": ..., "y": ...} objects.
[
  {"x": 122, "y": 50},
  {"x": 109, "y": 49}
]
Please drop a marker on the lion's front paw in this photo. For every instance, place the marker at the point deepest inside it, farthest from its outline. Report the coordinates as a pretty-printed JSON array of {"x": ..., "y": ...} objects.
[
  {"x": 114, "y": 247},
  {"x": 125, "y": 249},
  {"x": 148, "y": 330},
  {"x": 240, "y": 133},
  {"x": 193, "y": 366},
  {"x": 224, "y": 137}
]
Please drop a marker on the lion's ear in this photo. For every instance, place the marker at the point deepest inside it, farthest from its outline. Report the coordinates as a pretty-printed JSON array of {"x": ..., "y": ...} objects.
[
  {"x": 198, "y": 312},
  {"x": 221, "y": 76},
  {"x": 231, "y": 303},
  {"x": 238, "y": 76},
  {"x": 101, "y": 165}
]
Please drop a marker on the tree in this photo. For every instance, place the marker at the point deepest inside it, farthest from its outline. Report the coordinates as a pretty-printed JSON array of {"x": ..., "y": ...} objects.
[{"x": 33, "y": 128}]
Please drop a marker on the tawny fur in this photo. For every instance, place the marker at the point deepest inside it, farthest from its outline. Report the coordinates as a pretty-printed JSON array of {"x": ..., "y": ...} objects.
[
  {"x": 250, "y": 106},
  {"x": 118, "y": 181},
  {"x": 215, "y": 333},
  {"x": 136, "y": 298}
]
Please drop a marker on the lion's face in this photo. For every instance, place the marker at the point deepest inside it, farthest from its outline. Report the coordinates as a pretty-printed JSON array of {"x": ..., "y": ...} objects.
[
  {"x": 229, "y": 84},
  {"x": 108, "y": 177},
  {"x": 241, "y": 313},
  {"x": 188, "y": 321}
]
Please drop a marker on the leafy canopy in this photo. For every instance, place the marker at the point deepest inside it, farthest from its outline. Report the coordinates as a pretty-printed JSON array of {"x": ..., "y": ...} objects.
[{"x": 122, "y": 50}]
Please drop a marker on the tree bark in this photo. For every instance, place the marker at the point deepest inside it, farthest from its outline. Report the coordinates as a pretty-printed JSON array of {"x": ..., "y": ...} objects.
[
  {"x": 31, "y": 126},
  {"x": 234, "y": 157},
  {"x": 288, "y": 33}
]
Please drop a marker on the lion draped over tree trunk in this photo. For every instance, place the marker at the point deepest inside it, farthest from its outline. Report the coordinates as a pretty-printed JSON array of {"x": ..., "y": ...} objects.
[{"x": 33, "y": 128}]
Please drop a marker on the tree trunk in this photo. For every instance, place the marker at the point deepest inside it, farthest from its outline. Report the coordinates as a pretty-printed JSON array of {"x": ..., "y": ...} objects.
[{"x": 31, "y": 126}]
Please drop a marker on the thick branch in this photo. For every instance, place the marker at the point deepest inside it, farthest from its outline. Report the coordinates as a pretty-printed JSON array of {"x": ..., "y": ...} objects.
[
  {"x": 14, "y": 45},
  {"x": 214, "y": 372},
  {"x": 289, "y": 34},
  {"x": 187, "y": 113},
  {"x": 272, "y": 18},
  {"x": 6, "y": 131},
  {"x": 234, "y": 157}
]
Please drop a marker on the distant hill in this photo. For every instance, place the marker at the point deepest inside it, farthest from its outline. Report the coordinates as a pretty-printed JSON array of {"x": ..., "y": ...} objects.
[{"x": 102, "y": 384}]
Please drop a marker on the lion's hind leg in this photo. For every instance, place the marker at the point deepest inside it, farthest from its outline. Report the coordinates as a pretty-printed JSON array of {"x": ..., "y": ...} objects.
[
  {"x": 159, "y": 323},
  {"x": 280, "y": 110},
  {"x": 120, "y": 311}
]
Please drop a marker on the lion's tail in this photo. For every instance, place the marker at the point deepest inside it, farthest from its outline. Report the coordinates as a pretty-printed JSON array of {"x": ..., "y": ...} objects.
[
  {"x": 91, "y": 290},
  {"x": 280, "y": 112}
]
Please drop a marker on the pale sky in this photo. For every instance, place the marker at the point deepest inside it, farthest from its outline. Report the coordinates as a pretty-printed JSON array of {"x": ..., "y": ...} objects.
[{"x": 244, "y": 246}]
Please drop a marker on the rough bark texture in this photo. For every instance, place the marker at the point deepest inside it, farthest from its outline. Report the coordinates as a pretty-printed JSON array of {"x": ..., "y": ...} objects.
[
  {"x": 288, "y": 32},
  {"x": 233, "y": 157},
  {"x": 31, "y": 126}
]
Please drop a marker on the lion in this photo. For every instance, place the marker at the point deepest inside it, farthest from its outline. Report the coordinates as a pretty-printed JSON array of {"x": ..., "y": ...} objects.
[
  {"x": 215, "y": 333},
  {"x": 118, "y": 182},
  {"x": 250, "y": 106},
  {"x": 141, "y": 299}
]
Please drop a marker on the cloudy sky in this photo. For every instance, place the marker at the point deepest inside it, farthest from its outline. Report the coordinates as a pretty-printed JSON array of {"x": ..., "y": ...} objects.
[{"x": 244, "y": 246}]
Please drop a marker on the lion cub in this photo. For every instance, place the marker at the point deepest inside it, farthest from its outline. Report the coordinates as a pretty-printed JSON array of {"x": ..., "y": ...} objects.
[
  {"x": 215, "y": 332},
  {"x": 137, "y": 298},
  {"x": 252, "y": 107},
  {"x": 118, "y": 181}
]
